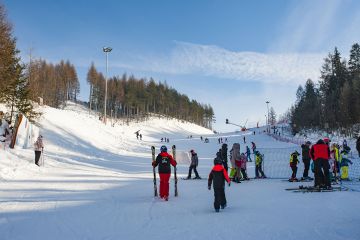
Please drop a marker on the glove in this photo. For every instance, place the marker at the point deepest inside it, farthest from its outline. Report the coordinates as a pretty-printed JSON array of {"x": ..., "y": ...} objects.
[
  {"x": 209, "y": 187},
  {"x": 229, "y": 184},
  {"x": 153, "y": 163}
]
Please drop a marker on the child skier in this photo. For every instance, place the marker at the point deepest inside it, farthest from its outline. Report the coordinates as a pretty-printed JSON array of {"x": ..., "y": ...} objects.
[
  {"x": 243, "y": 166},
  {"x": 164, "y": 160},
  {"x": 248, "y": 155},
  {"x": 293, "y": 165},
  {"x": 344, "y": 165},
  {"x": 194, "y": 163},
  {"x": 258, "y": 165},
  {"x": 217, "y": 176},
  {"x": 233, "y": 167}
]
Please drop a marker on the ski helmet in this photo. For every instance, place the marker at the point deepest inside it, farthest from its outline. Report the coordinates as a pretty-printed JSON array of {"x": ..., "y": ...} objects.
[{"x": 163, "y": 148}]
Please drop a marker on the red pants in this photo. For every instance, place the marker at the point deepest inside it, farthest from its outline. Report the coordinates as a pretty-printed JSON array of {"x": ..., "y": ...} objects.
[{"x": 164, "y": 184}]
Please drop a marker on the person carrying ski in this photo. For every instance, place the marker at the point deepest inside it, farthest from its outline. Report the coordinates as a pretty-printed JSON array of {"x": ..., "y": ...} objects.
[
  {"x": 258, "y": 165},
  {"x": 236, "y": 158},
  {"x": 217, "y": 178},
  {"x": 344, "y": 165},
  {"x": 306, "y": 158},
  {"x": 320, "y": 154},
  {"x": 224, "y": 156},
  {"x": 248, "y": 154},
  {"x": 293, "y": 165},
  {"x": 163, "y": 160},
  {"x": 194, "y": 163},
  {"x": 39, "y": 147}
]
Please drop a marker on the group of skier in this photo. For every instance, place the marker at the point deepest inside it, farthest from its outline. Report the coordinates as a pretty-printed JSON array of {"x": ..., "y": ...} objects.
[{"x": 328, "y": 162}]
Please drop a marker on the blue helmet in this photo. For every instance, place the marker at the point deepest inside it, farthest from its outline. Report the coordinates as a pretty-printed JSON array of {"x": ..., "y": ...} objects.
[{"x": 163, "y": 148}]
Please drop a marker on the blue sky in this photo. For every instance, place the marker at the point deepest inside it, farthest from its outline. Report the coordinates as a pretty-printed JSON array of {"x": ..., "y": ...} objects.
[{"x": 232, "y": 54}]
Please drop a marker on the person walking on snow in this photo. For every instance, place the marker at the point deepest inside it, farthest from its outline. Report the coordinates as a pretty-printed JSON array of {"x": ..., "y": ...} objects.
[
  {"x": 243, "y": 166},
  {"x": 293, "y": 165},
  {"x": 194, "y": 163},
  {"x": 253, "y": 147},
  {"x": 320, "y": 154},
  {"x": 39, "y": 147},
  {"x": 224, "y": 156},
  {"x": 163, "y": 160},
  {"x": 217, "y": 178}
]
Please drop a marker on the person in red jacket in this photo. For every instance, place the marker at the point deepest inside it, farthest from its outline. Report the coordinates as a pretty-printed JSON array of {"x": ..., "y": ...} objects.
[
  {"x": 163, "y": 160},
  {"x": 217, "y": 176},
  {"x": 320, "y": 153}
]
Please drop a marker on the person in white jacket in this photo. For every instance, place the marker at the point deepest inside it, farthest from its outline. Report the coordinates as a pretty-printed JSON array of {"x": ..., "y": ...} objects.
[{"x": 39, "y": 147}]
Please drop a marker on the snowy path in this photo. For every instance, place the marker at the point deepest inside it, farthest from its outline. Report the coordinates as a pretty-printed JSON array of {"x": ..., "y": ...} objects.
[{"x": 97, "y": 184}]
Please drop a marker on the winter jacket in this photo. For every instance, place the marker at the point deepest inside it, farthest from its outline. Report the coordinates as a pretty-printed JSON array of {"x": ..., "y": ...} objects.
[
  {"x": 345, "y": 162},
  {"x": 320, "y": 150},
  {"x": 224, "y": 156},
  {"x": 164, "y": 160},
  {"x": 294, "y": 160},
  {"x": 39, "y": 145},
  {"x": 217, "y": 176},
  {"x": 194, "y": 159},
  {"x": 305, "y": 152},
  {"x": 247, "y": 150},
  {"x": 258, "y": 159},
  {"x": 336, "y": 154}
]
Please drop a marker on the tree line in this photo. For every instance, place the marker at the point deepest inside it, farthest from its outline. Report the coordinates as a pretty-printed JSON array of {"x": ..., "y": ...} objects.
[
  {"x": 334, "y": 102},
  {"x": 131, "y": 97}
]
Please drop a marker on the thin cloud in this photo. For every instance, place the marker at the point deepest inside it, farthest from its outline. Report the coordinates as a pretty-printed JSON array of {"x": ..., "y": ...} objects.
[{"x": 208, "y": 60}]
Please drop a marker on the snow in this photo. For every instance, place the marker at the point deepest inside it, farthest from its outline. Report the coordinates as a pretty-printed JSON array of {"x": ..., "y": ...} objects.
[{"x": 97, "y": 184}]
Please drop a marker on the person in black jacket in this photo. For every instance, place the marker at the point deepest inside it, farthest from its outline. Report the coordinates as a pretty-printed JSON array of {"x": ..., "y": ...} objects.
[
  {"x": 163, "y": 160},
  {"x": 358, "y": 145},
  {"x": 306, "y": 158},
  {"x": 224, "y": 156},
  {"x": 217, "y": 176}
]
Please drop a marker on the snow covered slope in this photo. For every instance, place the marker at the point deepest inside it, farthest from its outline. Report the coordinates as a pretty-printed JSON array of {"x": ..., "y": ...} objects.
[{"x": 97, "y": 184}]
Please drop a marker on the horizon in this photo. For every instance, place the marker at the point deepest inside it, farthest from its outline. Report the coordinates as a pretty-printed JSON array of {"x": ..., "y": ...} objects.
[{"x": 233, "y": 56}]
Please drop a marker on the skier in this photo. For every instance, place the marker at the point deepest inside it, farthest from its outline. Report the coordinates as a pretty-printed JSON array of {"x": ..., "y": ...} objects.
[
  {"x": 236, "y": 158},
  {"x": 253, "y": 147},
  {"x": 243, "y": 166},
  {"x": 224, "y": 156},
  {"x": 258, "y": 165},
  {"x": 233, "y": 167},
  {"x": 194, "y": 163},
  {"x": 244, "y": 140},
  {"x": 345, "y": 165},
  {"x": 217, "y": 177},
  {"x": 320, "y": 154},
  {"x": 358, "y": 145},
  {"x": 337, "y": 157},
  {"x": 293, "y": 165},
  {"x": 164, "y": 160},
  {"x": 306, "y": 158},
  {"x": 248, "y": 154},
  {"x": 39, "y": 147}
]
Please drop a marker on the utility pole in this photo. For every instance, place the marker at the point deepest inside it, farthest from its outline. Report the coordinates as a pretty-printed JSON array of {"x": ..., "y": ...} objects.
[
  {"x": 107, "y": 50},
  {"x": 268, "y": 119}
]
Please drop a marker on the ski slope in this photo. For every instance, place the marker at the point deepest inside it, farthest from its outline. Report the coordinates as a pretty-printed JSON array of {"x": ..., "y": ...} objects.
[{"x": 97, "y": 184}]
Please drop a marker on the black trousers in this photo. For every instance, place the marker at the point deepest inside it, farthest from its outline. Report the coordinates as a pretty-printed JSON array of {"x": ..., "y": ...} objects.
[
  {"x": 220, "y": 199},
  {"x": 195, "y": 171},
  {"x": 243, "y": 172},
  {"x": 322, "y": 176},
  {"x": 37, "y": 157},
  {"x": 258, "y": 169},
  {"x": 306, "y": 167},
  {"x": 294, "y": 171}
]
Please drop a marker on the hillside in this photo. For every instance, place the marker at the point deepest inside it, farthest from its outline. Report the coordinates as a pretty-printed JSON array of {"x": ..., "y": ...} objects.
[{"x": 97, "y": 184}]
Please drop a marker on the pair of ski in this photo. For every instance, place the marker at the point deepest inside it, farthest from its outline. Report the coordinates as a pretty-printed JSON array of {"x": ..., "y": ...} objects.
[
  {"x": 305, "y": 189},
  {"x": 175, "y": 177}
]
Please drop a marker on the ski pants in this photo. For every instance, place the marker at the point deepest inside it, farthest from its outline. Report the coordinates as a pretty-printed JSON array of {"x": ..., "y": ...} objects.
[
  {"x": 195, "y": 171},
  {"x": 344, "y": 172},
  {"x": 220, "y": 199},
  {"x": 306, "y": 167},
  {"x": 322, "y": 176},
  {"x": 164, "y": 184},
  {"x": 294, "y": 171},
  {"x": 238, "y": 174},
  {"x": 37, "y": 157},
  {"x": 243, "y": 172},
  {"x": 258, "y": 169},
  {"x": 248, "y": 157}
]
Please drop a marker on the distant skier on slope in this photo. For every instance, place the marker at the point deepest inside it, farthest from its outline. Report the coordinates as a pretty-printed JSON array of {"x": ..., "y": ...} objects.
[
  {"x": 217, "y": 177},
  {"x": 248, "y": 154},
  {"x": 164, "y": 160}
]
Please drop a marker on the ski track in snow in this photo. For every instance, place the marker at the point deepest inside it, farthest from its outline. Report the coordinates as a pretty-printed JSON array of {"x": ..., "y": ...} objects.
[{"x": 97, "y": 184}]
